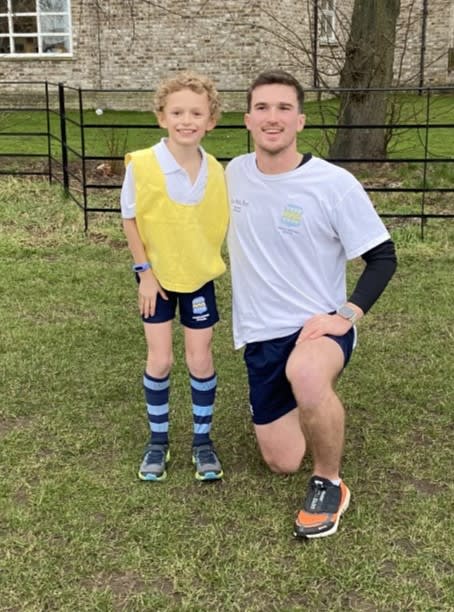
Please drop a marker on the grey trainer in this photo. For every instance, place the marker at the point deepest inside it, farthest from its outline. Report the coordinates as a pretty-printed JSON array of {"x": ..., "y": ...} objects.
[
  {"x": 207, "y": 464},
  {"x": 155, "y": 459}
]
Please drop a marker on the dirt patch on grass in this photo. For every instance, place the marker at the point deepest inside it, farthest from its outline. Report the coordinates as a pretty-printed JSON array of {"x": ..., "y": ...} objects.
[
  {"x": 423, "y": 485},
  {"x": 354, "y": 601},
  {"x": 21, "y": 497},
  {"x": 124, "y": 585},
  {"x": 120, "y": 583},
  {"x": 96, "y": 171},
  {"x": 407, "y": 546},
  {"x": 99, "y": 238},
  {"x": 9, "y": 424}
]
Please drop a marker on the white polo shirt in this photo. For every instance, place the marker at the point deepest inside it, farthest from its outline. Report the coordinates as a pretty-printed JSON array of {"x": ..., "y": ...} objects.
[{"x": 178, "y": 183}]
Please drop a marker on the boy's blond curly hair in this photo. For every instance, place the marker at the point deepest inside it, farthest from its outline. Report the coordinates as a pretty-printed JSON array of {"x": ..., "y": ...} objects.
[{"x": 188, "y": 80}]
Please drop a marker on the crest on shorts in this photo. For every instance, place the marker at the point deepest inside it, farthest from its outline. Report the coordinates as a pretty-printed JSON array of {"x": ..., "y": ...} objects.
[{"x": 199, "y": 305}]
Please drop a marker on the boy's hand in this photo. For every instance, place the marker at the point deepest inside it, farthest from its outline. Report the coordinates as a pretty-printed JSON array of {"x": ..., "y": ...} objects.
[{"x": 149, "y": 288}]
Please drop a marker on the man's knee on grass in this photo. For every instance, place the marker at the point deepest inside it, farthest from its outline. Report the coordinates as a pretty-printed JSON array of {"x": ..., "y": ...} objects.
[{"x": 282, "y": 462}]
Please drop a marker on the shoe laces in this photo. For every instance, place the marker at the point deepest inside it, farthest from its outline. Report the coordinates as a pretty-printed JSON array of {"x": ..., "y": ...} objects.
[
  {"x": 318, "y": 494},
  {"x": 156, "y": 454},
  {"x": 323, "y": 497},
  {"x": 205, "y": 454}
]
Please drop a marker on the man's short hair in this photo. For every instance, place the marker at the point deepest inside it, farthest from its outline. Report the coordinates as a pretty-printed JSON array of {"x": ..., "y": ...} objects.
[{"x": 277, "y": 77}]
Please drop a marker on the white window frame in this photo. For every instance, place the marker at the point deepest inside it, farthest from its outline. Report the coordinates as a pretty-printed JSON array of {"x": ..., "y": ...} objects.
[
  {"x": 39, "y": 35},
  {"x": 327, "y": 22}
]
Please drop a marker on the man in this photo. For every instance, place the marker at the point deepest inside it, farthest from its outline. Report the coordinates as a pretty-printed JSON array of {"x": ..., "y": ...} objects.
[{"x": 295, "y": 221}]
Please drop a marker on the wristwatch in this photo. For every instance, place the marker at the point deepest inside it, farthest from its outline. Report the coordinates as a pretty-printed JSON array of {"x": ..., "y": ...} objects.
[
  {"x": 347, "y": 312},
  {"x": 141, "y": 267}
]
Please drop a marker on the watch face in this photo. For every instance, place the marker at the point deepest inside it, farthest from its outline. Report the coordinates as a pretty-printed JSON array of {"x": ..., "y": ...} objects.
[{"x": 347, "y": 312}]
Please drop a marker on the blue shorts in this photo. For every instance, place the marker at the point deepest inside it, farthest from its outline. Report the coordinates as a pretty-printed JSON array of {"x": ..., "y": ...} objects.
[
  {"x": 270, "y": 393},
  {"x": 197, "y": 309}
]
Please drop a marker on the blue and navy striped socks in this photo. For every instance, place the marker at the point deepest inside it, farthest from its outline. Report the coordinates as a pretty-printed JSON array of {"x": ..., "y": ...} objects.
[
  {"x": 203, "y": 392},
  {"x": 157, "y": 399}
]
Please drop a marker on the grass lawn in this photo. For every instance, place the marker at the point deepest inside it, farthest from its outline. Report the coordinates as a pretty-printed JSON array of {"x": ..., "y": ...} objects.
[
  {"x": 80, "y": 532},
  {"x": 104, "y": 140}
]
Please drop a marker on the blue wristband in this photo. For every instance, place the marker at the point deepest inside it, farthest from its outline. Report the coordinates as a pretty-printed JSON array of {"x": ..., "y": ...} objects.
[{"x": 141, "y": 267}]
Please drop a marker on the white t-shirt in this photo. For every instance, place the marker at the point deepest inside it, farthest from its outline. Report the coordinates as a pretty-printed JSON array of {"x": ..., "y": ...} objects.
[
  {"x": 178, "y": 183},
  {"x": 289, "y": 239}
]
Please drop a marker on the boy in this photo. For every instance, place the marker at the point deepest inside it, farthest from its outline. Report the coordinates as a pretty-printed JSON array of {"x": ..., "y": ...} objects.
[{"x": 175, "y": 214}]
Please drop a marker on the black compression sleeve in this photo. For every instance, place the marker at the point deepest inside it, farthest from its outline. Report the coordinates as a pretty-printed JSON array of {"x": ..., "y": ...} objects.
[{"x": 381, "y": 264}]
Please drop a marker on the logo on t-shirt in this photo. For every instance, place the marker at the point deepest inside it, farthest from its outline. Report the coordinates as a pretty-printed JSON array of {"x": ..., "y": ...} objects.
[
  {"x": 238, "y": 204},
  {"x": 291, "y": 218}
]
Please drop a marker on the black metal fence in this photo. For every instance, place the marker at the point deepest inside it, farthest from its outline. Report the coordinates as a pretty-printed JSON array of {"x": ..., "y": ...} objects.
[{"x": 63, "y": 128}]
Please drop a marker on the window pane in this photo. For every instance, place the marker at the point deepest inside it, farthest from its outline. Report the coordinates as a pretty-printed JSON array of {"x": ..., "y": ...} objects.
[
  {"x": 23, "y": 6},
  {"x": 327, "y": 5},
  {"x": 56, "y": 44},
  {"x": 54, "y": 23},
  {"x": 330, "y": 27},
  {"x": 3, "y": 25},
  {"x": 53, "y": 6},
  {"x": 3, "y": 6},
  {"x": 4, "y": 45},
  {"x": 26, "y": 45},
  {"x": 24, "y": 24}
]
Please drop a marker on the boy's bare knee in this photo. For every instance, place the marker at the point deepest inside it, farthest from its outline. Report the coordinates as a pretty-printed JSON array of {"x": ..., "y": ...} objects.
[
  {"x": 199, "y": 365},
  {"x": 159, "y": 366}
]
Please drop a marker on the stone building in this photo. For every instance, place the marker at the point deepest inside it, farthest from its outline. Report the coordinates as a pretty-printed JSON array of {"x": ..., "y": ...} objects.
[{"x": 119, "y": 44}]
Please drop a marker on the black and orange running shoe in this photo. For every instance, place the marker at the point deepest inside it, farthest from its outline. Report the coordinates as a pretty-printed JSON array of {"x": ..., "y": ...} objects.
[{"x": 324, "y": 505}]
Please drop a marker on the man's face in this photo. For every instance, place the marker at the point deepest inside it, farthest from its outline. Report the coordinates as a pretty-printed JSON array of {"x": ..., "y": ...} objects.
[{"x": 274, "y": 118}]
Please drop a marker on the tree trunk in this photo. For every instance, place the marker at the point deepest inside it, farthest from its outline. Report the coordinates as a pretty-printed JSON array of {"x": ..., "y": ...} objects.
[{"x": 368, "y": 64}]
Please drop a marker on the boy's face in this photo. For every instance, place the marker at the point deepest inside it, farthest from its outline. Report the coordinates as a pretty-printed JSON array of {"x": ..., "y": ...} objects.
[
  {"x": 186, "y": 116},
  {"x": 274, "y": 118}
]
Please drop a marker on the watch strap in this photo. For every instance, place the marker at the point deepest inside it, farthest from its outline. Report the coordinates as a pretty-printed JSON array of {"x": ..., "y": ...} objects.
[{"x": 141, "y": 267}]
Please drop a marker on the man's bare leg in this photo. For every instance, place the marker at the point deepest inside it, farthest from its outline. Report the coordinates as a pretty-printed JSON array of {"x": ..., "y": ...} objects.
[
  {"x": 312, "y": 369},
  {"x": 282, "y": 443}
]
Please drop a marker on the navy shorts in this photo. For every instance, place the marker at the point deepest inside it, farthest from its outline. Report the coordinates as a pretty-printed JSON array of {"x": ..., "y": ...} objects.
[
  {"x": 197, "y": 309},
  {"x": 270, "y": 393}
]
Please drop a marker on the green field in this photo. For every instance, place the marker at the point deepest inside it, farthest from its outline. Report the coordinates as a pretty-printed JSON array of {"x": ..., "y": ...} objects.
[
  {"x": 226, "y": 142},
  {"x": 80, "y": 532},
  {"x": 104, "y": 140}
]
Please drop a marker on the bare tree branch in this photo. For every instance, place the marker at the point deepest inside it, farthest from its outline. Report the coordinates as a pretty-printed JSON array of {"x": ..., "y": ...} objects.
[{"x": 166, "y": 9}]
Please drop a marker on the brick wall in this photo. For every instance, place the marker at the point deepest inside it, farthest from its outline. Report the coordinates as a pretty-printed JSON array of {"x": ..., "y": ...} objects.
[{"x": 135, "y": 44}]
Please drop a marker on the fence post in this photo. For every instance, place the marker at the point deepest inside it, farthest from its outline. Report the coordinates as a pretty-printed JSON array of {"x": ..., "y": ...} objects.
[
  {"x": 84, "y": 169},
  {"x": 49, "y": 146},
  {"x": 424, "y": 176},
  {"x": 64, "y": 140}
]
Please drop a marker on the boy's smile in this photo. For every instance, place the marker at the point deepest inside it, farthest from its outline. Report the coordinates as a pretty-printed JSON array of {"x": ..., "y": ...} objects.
[{"x": 187, "y": 118}]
